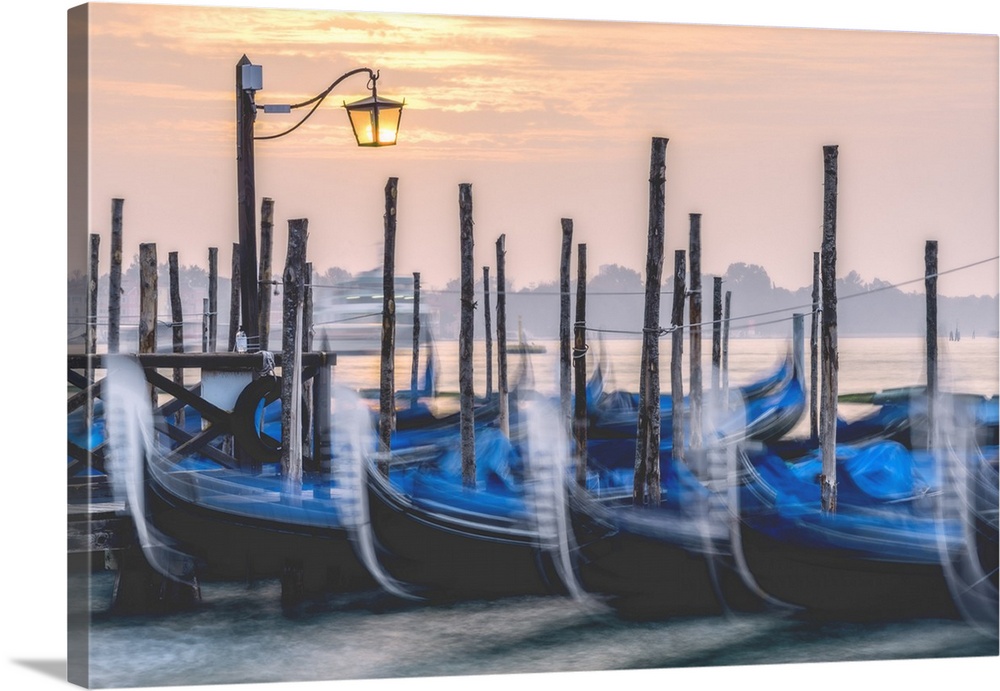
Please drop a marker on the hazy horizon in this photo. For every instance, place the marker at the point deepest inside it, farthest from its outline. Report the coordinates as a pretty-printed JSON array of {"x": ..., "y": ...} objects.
[{"x": 552, "y": 119}]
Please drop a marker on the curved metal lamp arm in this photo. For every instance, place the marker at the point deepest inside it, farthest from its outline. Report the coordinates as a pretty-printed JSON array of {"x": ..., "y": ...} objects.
[{"x": 316, "y": 100}]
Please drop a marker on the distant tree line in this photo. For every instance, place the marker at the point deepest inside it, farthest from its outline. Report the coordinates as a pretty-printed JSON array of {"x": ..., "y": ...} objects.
[{"x": 615, "y": 298}]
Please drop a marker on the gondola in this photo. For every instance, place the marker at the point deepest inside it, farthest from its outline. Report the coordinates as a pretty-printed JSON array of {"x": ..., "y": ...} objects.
[
  {"x": 886, "y": 552},
  {"x": 198, "y": 520},
  {"x": 416, "y": 534},
  {"x": 445, "y": 540},
  {"x": 673, "y": 560},
  {"x": 773, "y": 406}
]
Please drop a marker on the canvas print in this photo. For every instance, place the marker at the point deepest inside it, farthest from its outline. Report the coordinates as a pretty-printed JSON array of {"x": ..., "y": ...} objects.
[{"x": 414, "y": 345}]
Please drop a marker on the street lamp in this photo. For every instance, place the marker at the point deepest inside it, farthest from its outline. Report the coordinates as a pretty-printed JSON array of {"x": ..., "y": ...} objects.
[{"x": 374, "y": 120}]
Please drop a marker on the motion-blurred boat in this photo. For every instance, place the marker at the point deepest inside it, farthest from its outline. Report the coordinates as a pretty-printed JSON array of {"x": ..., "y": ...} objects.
[{"x": 887, "y": 551}]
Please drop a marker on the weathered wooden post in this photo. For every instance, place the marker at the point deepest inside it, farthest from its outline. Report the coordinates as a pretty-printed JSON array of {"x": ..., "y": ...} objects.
[
  {"x": 564, "y": 337},
  {"x": 415, "y": 367},
  {"x": 93, "y": 273},
  {"x": 234, "y": 298},
  {"x": 322, "y": 433},
  {"x": 930, "y": 288},
  {"x": 213, "y": 299},
  {"x": 90, "y": 340},
  {"x": 115, "y": 277},
  {"x": 716, "y": 333},
  {"x": 676, "y": 360},
  {"x": 177, "y": 323},
  {"x": 204, "y": 325},
  {"x": 147, "y": 297},
  {"x": 488, "y": 335},
  {"x": 387, "y": 383},
  {"x": 828, "y": 411},
  {"x": 580, "y": 367},
  {"x": 293, "y": 280},
  {"x": 798, "y": 342},
  {"x": 813, "y": 353},
  {"x": 502, "y": 420},
  {"x": 307, "y": 384},
  {"x": 694, "y": 315},
  {"x": 725, "y": 348},
  {"x": 466, "y": 340},
  {"x": 646, "y": 484},
  {"x": 264, "y": 291}
]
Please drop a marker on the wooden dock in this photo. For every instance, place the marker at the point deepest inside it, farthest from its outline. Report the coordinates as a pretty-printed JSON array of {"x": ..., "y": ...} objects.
[{"x": 98, "y": 524}]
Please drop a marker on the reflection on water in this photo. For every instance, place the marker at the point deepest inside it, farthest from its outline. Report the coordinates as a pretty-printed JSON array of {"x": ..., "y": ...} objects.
[
  {"x": 242, "y": 635},
  {"x": 866, "y": 364}
]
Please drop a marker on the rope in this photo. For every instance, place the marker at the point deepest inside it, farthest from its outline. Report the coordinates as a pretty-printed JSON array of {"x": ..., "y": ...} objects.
[{"x": 267, "y": 362}]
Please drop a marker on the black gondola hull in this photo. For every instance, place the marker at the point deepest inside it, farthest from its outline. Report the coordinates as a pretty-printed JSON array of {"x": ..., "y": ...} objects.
[
  {"x": 647, "y": 569},
  {"x": 835, "y": 584},
  {"x": 444, "y": 558},
  {"x": 228, "y": 546}
]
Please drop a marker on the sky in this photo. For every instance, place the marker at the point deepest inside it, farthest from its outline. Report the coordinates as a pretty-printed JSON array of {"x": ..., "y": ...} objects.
[
  {"x": 889, "y": 179},
  {"x": 550, "y": 119}
]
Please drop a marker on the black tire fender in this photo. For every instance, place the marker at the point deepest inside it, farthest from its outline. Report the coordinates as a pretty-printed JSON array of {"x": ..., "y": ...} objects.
[{"x": 261, "y": 447}]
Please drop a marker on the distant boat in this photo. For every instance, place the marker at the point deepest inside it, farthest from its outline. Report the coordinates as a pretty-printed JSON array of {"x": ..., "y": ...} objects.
[
  {"x": 523, "y": 347},
  {"x": 526, "y": 349},
  {"x": 350, "y": 322}
]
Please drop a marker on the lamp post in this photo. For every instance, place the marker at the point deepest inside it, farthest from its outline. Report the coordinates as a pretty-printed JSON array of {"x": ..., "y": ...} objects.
[{"x": 374, "y": 120}]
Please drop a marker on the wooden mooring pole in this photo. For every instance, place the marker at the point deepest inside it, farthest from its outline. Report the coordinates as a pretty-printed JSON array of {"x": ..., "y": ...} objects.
[
  {"x": 930, "y": 288},
  {"x": 93, "y": 272},
  {"x": 415, "y": 366},
  {"x": 716, "y": 334},
  {"x": 830, "y": 364},
  {"x": 580, "y": 367},
  {"x": 488, "y": 336},
  {"x": 307, "y": 384},
  {"x": 177, "y": 323},
  {"x": 213, "y": 299},
  {"x": 646, "y": 483},
  {"x": 293, "y": 280},
  {"x": 564, "y": 333},
  {"x": 813, "y": 352},
  {"x": 147, "y": 297},
  {"x": 694, "y": 315},
  {"x": 466, "y": 339},
  {"x": 503, "y": 419},
  {"x": 234, "y": 298},
  {"x": 265, "y": 286},
  {"x": 204, "y": 325},
  {"x": 725, "y": 347},
  {"x": 387, "y": 369},
  {"x": 676, "y": 360},
  {"x": 90, "y": 341},
  {"x": 115, "y": 277},
  {"x": 798, "y": 342}
]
